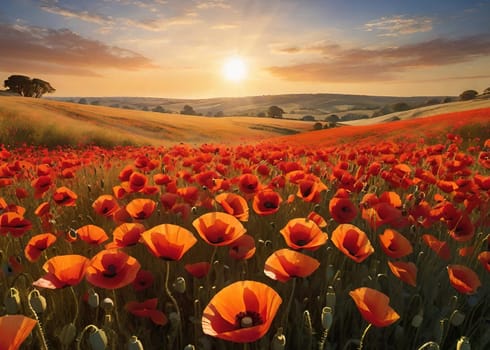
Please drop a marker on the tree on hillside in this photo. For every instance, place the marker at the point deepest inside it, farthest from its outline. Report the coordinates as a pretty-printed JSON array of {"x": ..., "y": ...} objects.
[
  {"x": 486, "y": 91},
  {"x": 25, "y": 86},
  {"x": 400, "y": 106},
  {"x": 468, "y": 95},
  {"x": 275, "y": 112},
  {"x": 188, "y": 110}
]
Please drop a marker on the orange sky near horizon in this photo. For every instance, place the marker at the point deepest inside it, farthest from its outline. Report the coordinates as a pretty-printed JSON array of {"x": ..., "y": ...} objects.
[{"x": 178, "y": 49}]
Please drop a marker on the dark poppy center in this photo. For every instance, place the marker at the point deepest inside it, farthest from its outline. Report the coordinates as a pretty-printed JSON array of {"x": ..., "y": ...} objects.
[
  {"x": 270, "y": 205},
  {"x": 248, "y": 319},
  {"x": 251, "y": 186},
  {"x": 110, "y": 271},
  {"x": 301, "y": 242},
  {"x": 217, "y": 239}
]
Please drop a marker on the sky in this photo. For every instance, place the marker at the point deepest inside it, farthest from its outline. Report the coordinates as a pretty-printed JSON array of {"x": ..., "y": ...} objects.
[{"x": 179, "y": 48}]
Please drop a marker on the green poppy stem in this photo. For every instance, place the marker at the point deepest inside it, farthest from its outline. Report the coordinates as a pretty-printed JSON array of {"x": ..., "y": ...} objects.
[
  {"x": 288, "y": 307},
  {"x": 176, "y": 305},
  {"x": 364, "y": 335}
]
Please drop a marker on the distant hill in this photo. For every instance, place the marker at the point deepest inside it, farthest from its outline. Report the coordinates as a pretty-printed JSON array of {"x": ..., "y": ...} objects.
[{"x": 295, "y": 105}]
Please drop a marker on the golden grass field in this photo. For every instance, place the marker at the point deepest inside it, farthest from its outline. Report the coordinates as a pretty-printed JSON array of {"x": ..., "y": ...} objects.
[
  {"x": 147, "y": 127},
  {"x": 79, "y": 121}
]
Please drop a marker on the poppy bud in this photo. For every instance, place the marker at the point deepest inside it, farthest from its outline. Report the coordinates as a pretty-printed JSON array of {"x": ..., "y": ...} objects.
[
  {"x": 279, "y": 340},
  {"x": 107, "y": 304},
  {"x": 93, "y": 298},
  {"x": 463, "y": 344},
  {"x": 67, "y": 334},
  {"x": 457, "y": 318},
  {"x": 417, "y": 320},
  {"x": 134, "y": 343},
  {"x": 330, "y": 299},
  {"x": 189, "y": 347},
  {"x": 327, "y": 317},
  {"x": 37, "y": 301},
  {"x": 98, "y": 339},
  {"x": 180, "y": 285},
  {"x": 12, "y": 301}
]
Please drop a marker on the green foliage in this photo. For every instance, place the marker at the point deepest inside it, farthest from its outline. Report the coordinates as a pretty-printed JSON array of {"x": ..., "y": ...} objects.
[
  {"x": 275, "y": 112},
  {"x": 188, "y": 110},
  {"x": 25, "y": 86},
  {"x": 468, "y": 95}
]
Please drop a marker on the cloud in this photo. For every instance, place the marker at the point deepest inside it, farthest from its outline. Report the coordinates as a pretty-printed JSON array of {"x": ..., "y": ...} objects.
[
  {"x": 399, "y": 25},
  {"x": 360, "y": 64},
  {"x": 210, "y": 4},
  {"x": 224, "y": 26},
  {"x": 81, "y": 15},
  {"x": 161, "y": 24},
  {"x": 62, "y": 51}
]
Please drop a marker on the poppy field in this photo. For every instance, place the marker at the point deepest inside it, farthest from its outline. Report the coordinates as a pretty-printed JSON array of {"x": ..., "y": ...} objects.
[{"x": 338, "y": 239}]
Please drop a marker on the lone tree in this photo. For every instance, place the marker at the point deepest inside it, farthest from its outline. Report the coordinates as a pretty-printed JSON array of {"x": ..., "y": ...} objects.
[
  {"x": 275, "y": 112},
  {"x": 188, "y": 110},
  {"x": 468, "y": 95},
  {"x": 25, "y": 86}
]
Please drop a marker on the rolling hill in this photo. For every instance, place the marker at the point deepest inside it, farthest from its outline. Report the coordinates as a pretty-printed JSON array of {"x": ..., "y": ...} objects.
[{"x": 34, "y": 121}]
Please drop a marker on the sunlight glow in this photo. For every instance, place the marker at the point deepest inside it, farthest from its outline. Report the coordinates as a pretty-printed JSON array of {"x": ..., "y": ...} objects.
[{"x": 234, "y": 69}]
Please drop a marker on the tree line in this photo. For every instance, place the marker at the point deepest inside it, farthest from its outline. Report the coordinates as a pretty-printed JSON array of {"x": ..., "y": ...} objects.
[{"x": 25, "y": 86}]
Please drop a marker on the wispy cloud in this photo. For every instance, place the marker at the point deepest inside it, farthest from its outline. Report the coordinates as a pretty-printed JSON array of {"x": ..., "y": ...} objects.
[
  {"x": 210, "y": 4},
  {"x": 86, "y": 16},
  {"x": 360, "y": 64},
  {"x": 161, "y": 24},
  {"x": 399, "y": 25},
  {"x": 63, "y": 51},
  {"x": 224, "y": 26}
]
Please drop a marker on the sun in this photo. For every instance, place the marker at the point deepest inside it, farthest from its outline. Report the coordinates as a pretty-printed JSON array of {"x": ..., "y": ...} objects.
[{"x": 234, "y": 69}]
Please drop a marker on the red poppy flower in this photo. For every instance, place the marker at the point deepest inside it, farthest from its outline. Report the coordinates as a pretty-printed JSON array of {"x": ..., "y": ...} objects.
[
  {"x": 136, "y": 182},
  {"x": 463, "y": 279},
  {"x": 65, "y": 197},
  {"x": 246, "y": 319},
  {"x": 301, "y": 233},
  {"x": 41, "y": 185},
  {"x": 234, "y": 204},
  {"x": 112, "y": 269},
  {"x": 353, "y": 242},
  {"x": 374, "y": 306},
  {"x": 147, "y": 309},
  {"x": 42, "y": 209},
  {"x": 63, "y": 271},
  {"x": 92, "y": 234},
  {"x": 119, "y": 192},
  {"x": 342, "y": 210},
  {"x": 199, "y": 269},
  {"x": 125, "y": 235},
  {"x": 317, "y": 219},
  {"x": 309, "y": 189},
  {"x": 219, "y": 229},
  {"x": 141, "y": 208},
  {"x": 169, "y": 199},
  {"x": 484, "y": 259},
  {"x": 14, "y": 330},
  {"x": 461, "y": 228},
  {"x": 144, "y": 280},
  {"x": 405, "y": 271},
  {"x": 441, "y": 248},
  {"x": 394, "y": 244},
  {"x": 484, "y": 159},
  {"x": 168, "y": 242},
  {"x": 248, "y": 184},
  {"x": 105, "y": 205},
  {"x": 284, "y": 264},
  {"x": 37, "y": 244},
  {"x": 14, "y": 223},
  {"x": 266, "y": 202},
  {"x": 125, "y": 173},
  {"x": 189, "y": 194},
  {"x": 243, "y": 248}
]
